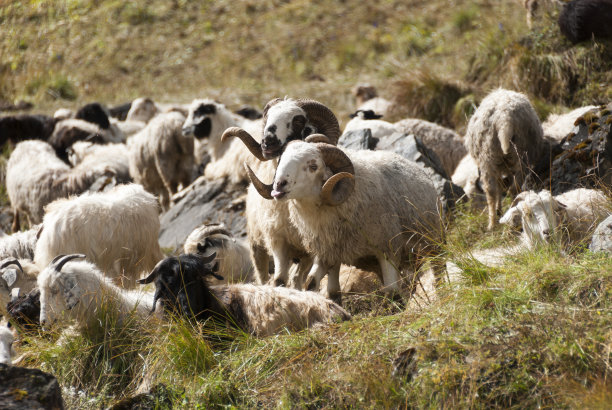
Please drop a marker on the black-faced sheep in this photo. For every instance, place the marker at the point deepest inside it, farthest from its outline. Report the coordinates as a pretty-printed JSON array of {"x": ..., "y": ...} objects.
[
  {"x": 117, "y": 230},
  {"x": 161, "y": 156},
  {"x": 581, "y": 20},
  {"x": 353, "y": 205},
  {"x": 505, "y": 138},
  {"x": 79, "y": 290},
  {"x": 181, "y": 285}
]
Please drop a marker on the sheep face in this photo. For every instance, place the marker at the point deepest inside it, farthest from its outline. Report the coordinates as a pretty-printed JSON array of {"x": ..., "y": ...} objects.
[
  {"x": 6, "y": 345},
  {"x": 59, "y": 292},
  {"x": 199, "y": 122},
  {"x": 300, "y": 174},
  {"x": 285, "y": 121}
]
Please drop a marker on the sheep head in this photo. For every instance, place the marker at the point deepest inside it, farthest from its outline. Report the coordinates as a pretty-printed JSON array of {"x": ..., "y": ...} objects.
[
  {"x": 200, "y": 118},
  {"x": 289, "y": 120},
  {"x": 59, "y": 291},
  {"x": 10, "y": 275},
  {"x": 142, "y": 109},
  {"x": 319, "y": 172}
]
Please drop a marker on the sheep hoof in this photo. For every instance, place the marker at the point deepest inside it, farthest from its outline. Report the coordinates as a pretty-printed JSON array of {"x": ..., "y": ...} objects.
[{"x": 279, "y": 282}]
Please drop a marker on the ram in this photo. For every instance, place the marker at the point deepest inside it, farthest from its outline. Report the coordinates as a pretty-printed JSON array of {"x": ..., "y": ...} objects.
[
  {"x": 161, "y": 157},
  {"x": 117, "y": 230},
  {"x": 181, "y": 285},
  {"x": 356, "y": 205},
  {"x": 505, "y": 138}
]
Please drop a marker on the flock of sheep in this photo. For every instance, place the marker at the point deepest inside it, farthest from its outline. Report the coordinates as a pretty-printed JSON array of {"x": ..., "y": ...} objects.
[{"x": 91, "y": 184}]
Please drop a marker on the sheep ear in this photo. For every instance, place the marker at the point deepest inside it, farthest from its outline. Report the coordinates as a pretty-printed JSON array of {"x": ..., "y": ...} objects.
[
  {"x": 519, "y": 198},
  {"x": 14, "y": 294},
  {"x": 70, "y": 290},
  {"x": 10, "y": 276}
]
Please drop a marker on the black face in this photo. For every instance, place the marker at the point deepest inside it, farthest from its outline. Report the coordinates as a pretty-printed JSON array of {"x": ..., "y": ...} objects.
[
  {"x": 93, "y": 113},
  {"x": 202, "y": 129},
  {"x": 25, "y": 310},
  {"x": 271, "y": 144}
]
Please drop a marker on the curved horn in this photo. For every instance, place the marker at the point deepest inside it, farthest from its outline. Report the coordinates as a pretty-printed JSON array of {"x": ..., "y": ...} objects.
[
  {"x": 151, "y": 277},
  {"x": 215, "y": 229},
  {"x": 247, "y": 139},
  {"x": 341, "y": 185},
  {"x": 312, "y": 138},
  {"x": 209, "y": 258},
  {"x": 11, "y": 262},
  {"x": 58, "y": 257},
  {"x": 264, "y": 190},
  {"x": 322, "y": 118},
  {"x": 60, "y": 264}
]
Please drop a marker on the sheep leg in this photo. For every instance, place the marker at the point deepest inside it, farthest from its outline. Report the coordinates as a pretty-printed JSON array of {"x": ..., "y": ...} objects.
[
  {"x": 15, "y": 227},
  {"x": 317, "y": 272},
  {"x": 333, "y": 284},
  {"x": 296, "y": 280},
  {"x": 282, "y": 262},
  {"x": 162, "y": 166},
  {"x": 491, "y": 188},
  {"x": 261, "y": 263},
  {"x": 390, "y": 275}
]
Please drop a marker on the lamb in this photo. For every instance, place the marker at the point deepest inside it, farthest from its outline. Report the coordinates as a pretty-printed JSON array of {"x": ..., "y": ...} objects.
[
  {"x": 208, "y": 119},
  {"x": 352, "y": 205},
  {"x": 16, "y": 128},
  {"x": 568, "y": 217},
  {"x": 114, "y": 157},
  {"x": 117, "y": 230},
  {"x": 6, "y": 345},
  {"x": 581, "y": 20},
  {"x": 78, "y": 289},
  {"x": 161, "y": 157},
  {"x": 505, "y": 138},
  {"x": 181, "y": 285},
  {"x": 367, "y": 98},
  {"x": 35, "y": 176},
  {"x": 268, "y": 227},
  {"x": 558, "y": 126},
  {"x": 232, "y": 253},
  {"x": 19, "y": 245}
]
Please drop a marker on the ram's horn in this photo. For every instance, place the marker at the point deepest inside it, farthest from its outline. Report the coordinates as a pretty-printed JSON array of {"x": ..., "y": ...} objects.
[
  {"x": 322, "y": 118},
  {"x": 12, "y": 262},
  {"x": 339, "y": 186},
  {"x": 248, "y": 140},
  {"x": 312, "y": 138},
  {"x": 264, "y": 190}
]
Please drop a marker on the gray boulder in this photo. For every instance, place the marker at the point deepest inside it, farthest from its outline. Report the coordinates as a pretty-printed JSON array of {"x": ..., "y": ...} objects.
[
  {"x": 602, "y": 237},
  {"x": 23, "y": 388},
  {"x": 358, "y": 139}
]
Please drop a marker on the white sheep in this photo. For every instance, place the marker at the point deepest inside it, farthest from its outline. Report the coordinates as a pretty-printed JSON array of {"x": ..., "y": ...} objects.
[
  {"x": 367, "y": 98},
  {"x": 558, "y": 126},
  {"x": 117, "y": 230},
  {"x": 268, "y": 227},
  {"x": 206, "y": 121},
  {"x": 80, "y": 291},
  {"x": 351, "y": 205},
  {"x": 362, "y": 119},
  {"x": 19, "y": 245},
  {"x": 145, "y": 109},
  {"x": 161, "y": 157},
  {"x": 108, "y": 156},
  {"x": 566, "y": 218},
  {"x": 232, "y": 253},
  {"x": 504, "y": 136},
  {"x": 35, "y": 176},
  {"x": 7, "y": 338}
]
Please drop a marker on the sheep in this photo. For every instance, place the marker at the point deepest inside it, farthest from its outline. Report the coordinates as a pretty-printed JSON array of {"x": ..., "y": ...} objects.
[
  {"x": 7, "y": 338},
  {"x": 78, "y": 289},
  {"x": 568, "y": 217},
  {"x": 19, "y": 245},
  {"x": 145, "y": 109},
  {"x": 367, "y": 98},
  {"x": 19, "y": 274},
  {"x": 232, "y": 253},
  {"x": 63, "y": 114},
  {"x": 268, "y": 227},
  {"x": 120, "y": 111},
  {"x": 352, "y": 205},
  {"x": 16, "y": 128},
  {"x": 505, "y": 138},
  {"x": 35, "y": 176},
  {"x": 161, "y": 157},
  {"x": 248, "y": 112},
  {"x": 181, "y": 284},
  {"x": 114, "y": 157},
  {"x": 206, "y": 122},
  {"x": 24, "y": 310},
  {"x": 558, "y": 126},
  {"x": 369, "y": 119},
  {"x": 117, "y": 230},
  {"x": 581, "y": 20}
]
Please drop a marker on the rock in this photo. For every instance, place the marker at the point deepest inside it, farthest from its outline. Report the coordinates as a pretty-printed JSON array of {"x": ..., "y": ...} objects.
[
  {"x": 412, "y": 148},
  {"x": 23, "y": 388},
  {"x": 602, "y": 237},
  {"x": 203, "y": 202},
  {"x": 585, "y": 160},
  {"x": 358, "y": 139}
]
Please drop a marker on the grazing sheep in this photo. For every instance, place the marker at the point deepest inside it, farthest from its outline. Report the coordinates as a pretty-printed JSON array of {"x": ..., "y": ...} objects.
[
  {"x": 581, "y": 20},
  {"x": 114, "y": 157},
  {"x": 568, "y": 217},
  {"x": 504, "y": 136},
  {"x": 367, "y": 98},
  {"x": 35, "y": 176},
  {"x": 558, "y": 126},
  {"x": 78, "y": 290},
  {"x": 268, "y": 227},
  {"x": 353, "y": 205},
  {"x": 19, "y": 245},
  {"x": 181, "y": 285},
  {"x": 161, "y": 157},
  {"x": 232, "y": 253},
  {"x": 6, "y": 345},
  {"x": 19, "y": 274},
  {"x": 117, "y": 230},
  {"x": 206, "y": 121},
  {"x": 17, "y": 128}
]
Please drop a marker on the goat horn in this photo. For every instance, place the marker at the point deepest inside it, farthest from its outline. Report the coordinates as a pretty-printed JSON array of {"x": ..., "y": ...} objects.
[
  {"x": 340, "y": 186},
  {"x": 11, "y": 262},
  {"x": 264, "y": 190},
  {"x": 322, "y": 118},
  {"x": 209, "y": 258},
  {"x": 67, "y": 258},
  {"x": 58, "y": 257},
  {"x": 151, "y": 277},
  {"x": 248, "y": 140},
  {"x": 317, "y": 138}
]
